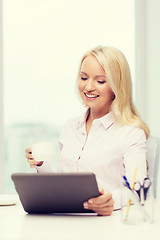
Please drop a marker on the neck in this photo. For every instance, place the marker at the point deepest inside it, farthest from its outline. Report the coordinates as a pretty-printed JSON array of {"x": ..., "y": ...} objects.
[
  {"x": 92, "y": 115},
  {"x": 90, "y": 118}
]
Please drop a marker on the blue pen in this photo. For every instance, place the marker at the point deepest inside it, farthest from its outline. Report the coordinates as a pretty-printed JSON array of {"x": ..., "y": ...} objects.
[{"x": 126, "y": 182}]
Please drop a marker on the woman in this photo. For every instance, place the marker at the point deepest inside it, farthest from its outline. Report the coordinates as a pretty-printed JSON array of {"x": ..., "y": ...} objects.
[{"x": 110, "y": 139}]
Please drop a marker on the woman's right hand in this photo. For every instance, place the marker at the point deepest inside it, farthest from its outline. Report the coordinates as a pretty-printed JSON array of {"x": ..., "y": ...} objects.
[{"x": 30, "y": 158}]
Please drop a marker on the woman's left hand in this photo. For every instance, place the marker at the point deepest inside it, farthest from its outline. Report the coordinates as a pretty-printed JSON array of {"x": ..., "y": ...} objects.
[{"x": 102, "y": 205}]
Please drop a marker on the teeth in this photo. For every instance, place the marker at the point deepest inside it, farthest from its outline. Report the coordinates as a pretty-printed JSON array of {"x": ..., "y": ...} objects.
[{"x": 91, "y": 95}]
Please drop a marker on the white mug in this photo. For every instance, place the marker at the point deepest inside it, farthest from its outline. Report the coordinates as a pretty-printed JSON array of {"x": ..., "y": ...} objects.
[{"x": 43, "y": 151}]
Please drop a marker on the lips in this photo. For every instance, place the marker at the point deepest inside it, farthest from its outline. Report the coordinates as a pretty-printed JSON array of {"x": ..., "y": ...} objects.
[{"x": 91, "y": 96}]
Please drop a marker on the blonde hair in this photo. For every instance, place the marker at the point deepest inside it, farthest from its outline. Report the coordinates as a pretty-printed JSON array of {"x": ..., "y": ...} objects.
[{"x": 118, "y": 75}]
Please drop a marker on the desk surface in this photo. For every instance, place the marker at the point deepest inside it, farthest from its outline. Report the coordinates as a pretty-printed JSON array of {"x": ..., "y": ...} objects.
[{"x": 16, "y": 224}]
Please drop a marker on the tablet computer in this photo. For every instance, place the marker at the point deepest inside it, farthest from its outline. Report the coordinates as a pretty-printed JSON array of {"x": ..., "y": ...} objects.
[{"x": 55, "y": 192}]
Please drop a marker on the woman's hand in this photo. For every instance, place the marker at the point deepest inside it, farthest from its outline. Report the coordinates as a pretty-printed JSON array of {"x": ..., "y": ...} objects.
[
  {"x": 30, "y": 158},
  {"x": 102, "y": 205}
]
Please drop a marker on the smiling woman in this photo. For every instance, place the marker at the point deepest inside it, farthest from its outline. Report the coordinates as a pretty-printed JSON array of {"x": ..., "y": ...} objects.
[{"x": 100, "y": 141}]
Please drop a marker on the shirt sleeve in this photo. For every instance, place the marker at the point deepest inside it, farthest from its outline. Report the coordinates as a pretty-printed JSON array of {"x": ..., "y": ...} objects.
[
  {"x": 134, "y": 155},
  {"x": 46, "y": 166},
  {"x": 116, "y": 194}
]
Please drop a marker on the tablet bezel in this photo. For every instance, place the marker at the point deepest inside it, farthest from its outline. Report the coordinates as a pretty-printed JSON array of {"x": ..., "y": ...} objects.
[{"x": 55, "y": 192}]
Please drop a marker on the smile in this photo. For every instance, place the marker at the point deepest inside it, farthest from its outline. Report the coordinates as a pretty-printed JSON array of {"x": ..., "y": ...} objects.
[{"x": 91, "y": 95}]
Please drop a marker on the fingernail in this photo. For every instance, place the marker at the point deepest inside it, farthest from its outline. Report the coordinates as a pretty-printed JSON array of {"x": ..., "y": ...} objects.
[
  {"x": 90, "y": 201},
  {"x": 85, "y": 205}
]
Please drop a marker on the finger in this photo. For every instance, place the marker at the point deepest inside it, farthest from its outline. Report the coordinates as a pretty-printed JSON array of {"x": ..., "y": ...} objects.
[
  {"x": 28, "y": 155},
  {"x": 92, "y": 206},
  {"x": 28, "y": 150},
  {"x": 104, "y": 211},
  {"x": 101, "y": 199},
  {"x": 101, "y": 191},
  {"x": 32, "y": 162},
  {"x": 32, "y": 165},
  {"x": 109, "y": 203}
]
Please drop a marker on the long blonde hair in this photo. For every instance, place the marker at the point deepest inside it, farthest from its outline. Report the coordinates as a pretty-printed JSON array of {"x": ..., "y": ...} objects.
[{"x": 118, "y": 75}]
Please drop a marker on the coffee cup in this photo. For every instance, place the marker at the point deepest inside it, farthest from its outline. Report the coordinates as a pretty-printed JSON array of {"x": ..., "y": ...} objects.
[{"x": 43, "y": 151}]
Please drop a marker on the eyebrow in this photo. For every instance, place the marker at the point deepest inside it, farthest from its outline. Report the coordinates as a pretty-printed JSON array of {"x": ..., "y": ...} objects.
[{"x": 96, "y": 75}]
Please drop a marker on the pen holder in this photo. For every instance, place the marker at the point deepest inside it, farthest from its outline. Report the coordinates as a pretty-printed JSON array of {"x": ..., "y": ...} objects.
[{"x": 137, "y": 204}]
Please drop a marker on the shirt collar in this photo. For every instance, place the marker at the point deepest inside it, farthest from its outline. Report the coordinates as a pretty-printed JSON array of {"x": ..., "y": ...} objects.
[
  {"x": 106, "y": 120},
  {"x": 81, "y": 121}
]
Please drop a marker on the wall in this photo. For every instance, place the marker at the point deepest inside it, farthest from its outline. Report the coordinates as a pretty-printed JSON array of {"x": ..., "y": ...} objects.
[
  {"x": 1, "y": 107},
  {"x": 153, "y": 66},
  {"x": 148, "y": 62}
]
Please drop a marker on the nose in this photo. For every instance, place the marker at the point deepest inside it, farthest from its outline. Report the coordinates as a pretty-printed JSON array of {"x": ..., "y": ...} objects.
[{"x": 90, "y": 85}]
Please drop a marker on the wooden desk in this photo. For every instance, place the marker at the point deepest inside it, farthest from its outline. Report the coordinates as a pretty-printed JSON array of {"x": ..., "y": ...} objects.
[{"x": 16, "y": 224}]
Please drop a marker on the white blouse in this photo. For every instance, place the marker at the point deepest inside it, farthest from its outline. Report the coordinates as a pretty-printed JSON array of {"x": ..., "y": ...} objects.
[{"x": 110, "y": 150}]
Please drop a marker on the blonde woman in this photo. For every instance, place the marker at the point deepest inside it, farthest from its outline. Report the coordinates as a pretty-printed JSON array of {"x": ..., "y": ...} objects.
[{"x": 110, "y": 139}]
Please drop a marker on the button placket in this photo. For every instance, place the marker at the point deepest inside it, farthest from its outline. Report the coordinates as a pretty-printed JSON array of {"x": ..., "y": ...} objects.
[
  {"x": 94, "y": 126},
  {"x": 81, "y": 153}
]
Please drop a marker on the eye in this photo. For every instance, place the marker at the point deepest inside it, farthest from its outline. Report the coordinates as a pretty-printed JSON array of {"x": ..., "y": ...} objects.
[
  {"x": 101, "y": 82},
  {"x": 83, "y": 78}
]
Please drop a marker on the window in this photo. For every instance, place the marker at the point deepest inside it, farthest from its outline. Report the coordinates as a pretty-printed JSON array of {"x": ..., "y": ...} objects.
[{"x": 43, "y": 42}]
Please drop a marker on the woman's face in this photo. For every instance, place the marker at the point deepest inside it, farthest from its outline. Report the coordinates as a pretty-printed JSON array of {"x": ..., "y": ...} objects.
[{"x": 94, "y": 87}]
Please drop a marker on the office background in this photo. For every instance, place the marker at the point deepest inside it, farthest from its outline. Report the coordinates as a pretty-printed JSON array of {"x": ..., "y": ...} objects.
[{"x": 41, "y": 44}]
